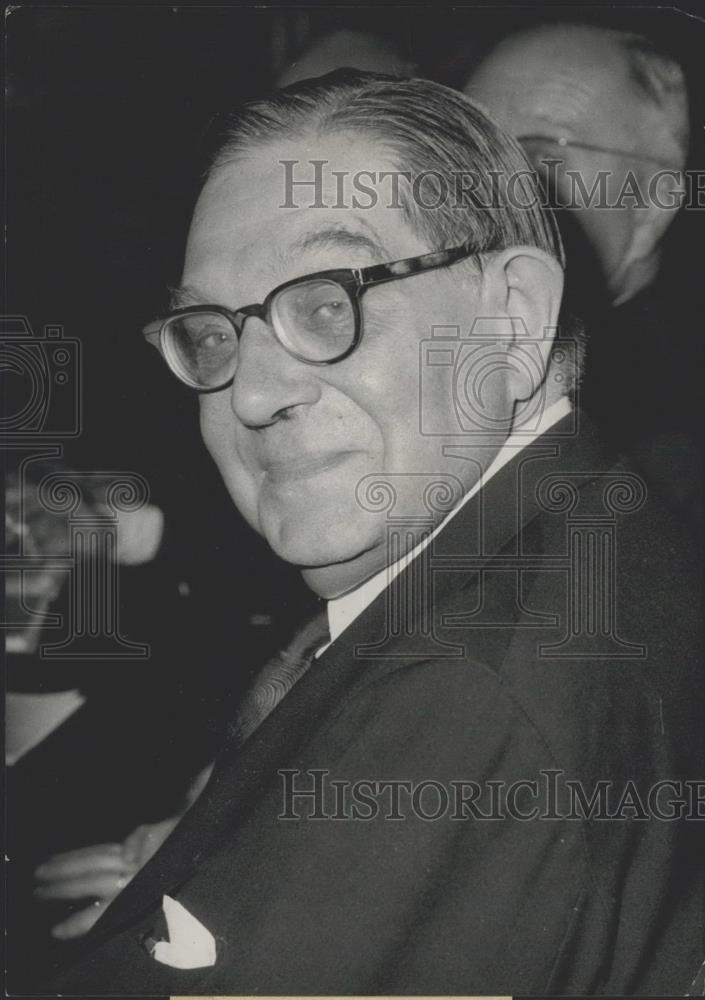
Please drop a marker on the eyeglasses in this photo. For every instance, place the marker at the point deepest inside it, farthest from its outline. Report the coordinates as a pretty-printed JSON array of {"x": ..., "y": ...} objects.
[
  {"x": 564, "y": 143},
  {"x": 316, "y": 318}
]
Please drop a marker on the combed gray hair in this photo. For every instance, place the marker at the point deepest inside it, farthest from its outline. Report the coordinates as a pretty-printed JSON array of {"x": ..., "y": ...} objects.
[{"x": 429, "y": 130}]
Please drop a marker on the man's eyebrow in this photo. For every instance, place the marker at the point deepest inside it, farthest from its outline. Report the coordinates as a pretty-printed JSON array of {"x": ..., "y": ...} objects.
[
  {"x": 184, "y": 295},
  {"x": 334, "y": 237},
  {"x": 331, "y": 237}
]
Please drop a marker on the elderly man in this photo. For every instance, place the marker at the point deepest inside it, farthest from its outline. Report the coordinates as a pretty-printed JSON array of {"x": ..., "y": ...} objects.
[
  {"x": 450, "y": 788},
  {"x": 610, "y": 113},
  {"x": 603, "y": 116}
]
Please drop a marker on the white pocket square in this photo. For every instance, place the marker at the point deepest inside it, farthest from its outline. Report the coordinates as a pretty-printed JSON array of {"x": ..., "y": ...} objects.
[{"x": 190, "y": 944}]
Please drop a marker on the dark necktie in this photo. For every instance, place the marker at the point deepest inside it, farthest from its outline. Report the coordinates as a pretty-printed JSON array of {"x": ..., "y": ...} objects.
[{"x": 277, "y": 677}]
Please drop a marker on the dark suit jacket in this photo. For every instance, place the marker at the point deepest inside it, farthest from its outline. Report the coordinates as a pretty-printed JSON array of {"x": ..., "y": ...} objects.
[{"x": 534, "y": 664}]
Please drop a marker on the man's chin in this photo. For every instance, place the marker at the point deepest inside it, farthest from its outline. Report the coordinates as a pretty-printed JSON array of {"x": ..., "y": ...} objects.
[
  {"x": 320, "y": 551},
  {"x": 309, "y": 548}
]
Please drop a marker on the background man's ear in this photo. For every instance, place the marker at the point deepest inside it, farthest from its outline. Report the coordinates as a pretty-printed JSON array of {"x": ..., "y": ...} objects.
[
  {"x": 524, "y": 285},
  {"x": 640, "y": 260},
  {"x": 651, "y": 223}
]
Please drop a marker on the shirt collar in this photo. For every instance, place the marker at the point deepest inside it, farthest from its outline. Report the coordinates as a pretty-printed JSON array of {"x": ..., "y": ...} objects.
[{"x": 343, "y": 610}]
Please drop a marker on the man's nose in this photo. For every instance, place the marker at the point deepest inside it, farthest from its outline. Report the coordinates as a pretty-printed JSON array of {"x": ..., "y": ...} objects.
[{"x": 269, "y": 382}]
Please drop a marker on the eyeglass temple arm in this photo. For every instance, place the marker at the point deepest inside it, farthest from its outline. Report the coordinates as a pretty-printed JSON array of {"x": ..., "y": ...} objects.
[
  {"x": 379, "y": 273},
  {"x": 571, "y": 144}
]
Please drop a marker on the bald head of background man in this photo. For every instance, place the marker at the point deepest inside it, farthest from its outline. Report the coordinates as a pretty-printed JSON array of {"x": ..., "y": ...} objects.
[
  {"x": 347, "y": 47},
  {"x": 596, "y": 99}
]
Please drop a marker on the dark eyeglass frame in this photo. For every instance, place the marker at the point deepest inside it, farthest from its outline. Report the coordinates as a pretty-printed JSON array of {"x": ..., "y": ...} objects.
[
  {"x": 355, "y": 281},
  {"x": 563, "y": 142}
]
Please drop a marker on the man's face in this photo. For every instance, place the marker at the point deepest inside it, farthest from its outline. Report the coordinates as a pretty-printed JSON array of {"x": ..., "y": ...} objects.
[
  {"x": 574, "y": 84},
  {"x": 292, "y": 440}
]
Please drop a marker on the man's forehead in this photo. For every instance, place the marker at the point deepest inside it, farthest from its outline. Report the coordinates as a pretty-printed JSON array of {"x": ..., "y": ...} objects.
[
  {"x": 286, "y": 173},
  {"x": 248, "y": 221},
  {"x": 228, "y": 219},
  {"x": 253, "y": 262}
]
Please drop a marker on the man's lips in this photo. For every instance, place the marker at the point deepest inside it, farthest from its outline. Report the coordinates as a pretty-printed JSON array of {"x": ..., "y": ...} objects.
[{"x": 286, "y": 470}]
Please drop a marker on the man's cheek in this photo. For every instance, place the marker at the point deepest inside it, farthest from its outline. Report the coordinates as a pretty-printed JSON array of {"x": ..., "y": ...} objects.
[
  {"x": 218, "y": 433},
  {"x": 240, "y": 483},
  {"x": 213, "y": 426}
]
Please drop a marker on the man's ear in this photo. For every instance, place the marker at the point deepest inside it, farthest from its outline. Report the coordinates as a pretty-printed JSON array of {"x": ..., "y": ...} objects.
[
  {"x": 667, "y": 191},
  {"x": 523, "y": 285}
]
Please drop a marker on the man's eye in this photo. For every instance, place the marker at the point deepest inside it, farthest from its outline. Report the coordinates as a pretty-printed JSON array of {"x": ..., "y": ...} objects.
[
  {"x": 329, "y": 310},
  {"x": 212, "y": 339},
  {"x": 326, "y": 313}
]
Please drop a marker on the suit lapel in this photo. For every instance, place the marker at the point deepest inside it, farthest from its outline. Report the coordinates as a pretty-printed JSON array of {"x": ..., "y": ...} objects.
[
  {"x": 489, "y": 522},
  {"x": 239, "y": 777},
  {"x": 494, "y": 518}
]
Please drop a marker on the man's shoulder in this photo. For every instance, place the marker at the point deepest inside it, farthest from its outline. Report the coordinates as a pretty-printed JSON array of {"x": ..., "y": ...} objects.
[{"x": 583, "y": 607}]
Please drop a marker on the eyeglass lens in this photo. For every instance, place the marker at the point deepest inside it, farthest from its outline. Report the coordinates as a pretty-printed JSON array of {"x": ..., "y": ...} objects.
[{"x": 314, "y": 320}]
